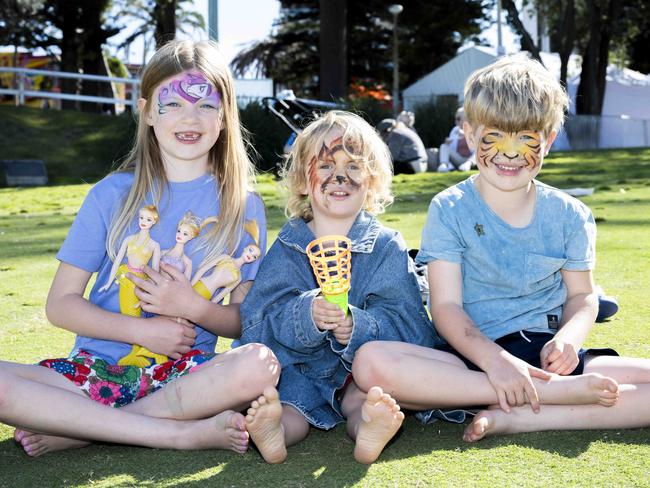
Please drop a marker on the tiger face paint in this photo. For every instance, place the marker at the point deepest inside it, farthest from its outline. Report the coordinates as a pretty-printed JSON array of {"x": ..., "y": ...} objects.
[
  {"x": 337, "y": 181},
  {"x": 510, "y": 150}
]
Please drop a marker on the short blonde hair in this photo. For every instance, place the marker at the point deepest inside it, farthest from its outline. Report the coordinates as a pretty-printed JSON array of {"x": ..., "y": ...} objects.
[
  {"x": 513, "y": 94},
  {"x": 360, "y": 140}
]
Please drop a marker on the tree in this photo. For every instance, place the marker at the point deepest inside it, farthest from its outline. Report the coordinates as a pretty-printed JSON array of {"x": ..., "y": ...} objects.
[
  {"x": 157, "y": 21},
  {"x": 429, "y": 34}
]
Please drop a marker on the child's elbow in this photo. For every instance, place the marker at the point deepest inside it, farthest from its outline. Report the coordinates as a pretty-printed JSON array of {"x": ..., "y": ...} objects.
[{"x": 53, "y": 310}]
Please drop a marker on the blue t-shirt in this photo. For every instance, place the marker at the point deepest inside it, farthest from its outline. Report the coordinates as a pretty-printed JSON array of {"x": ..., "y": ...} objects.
[
  {"x": 511, "y": 275},
  {"x": 85, "y": 245}
]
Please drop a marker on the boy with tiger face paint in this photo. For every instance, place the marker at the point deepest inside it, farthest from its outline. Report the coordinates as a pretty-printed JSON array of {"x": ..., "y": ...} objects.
[{"x": 510, "y": 265}]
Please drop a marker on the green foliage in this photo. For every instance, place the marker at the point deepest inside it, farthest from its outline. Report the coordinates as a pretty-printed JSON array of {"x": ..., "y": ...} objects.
[
  {"x": 116, "y": 67},
  {"x": 267, "y": 135},
  {"x": 435, "y": 118},
  {"x": 34, "y": 222},
  {"x": 429, "y": 35},
  {"x": 370, "y": 109},
  {"x": 75, "y": 146}
]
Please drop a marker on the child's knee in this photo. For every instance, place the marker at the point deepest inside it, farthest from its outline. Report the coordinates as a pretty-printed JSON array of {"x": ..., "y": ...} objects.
[
  {"x": 259, "y": 364},
  {"x": 368, "y": 364}
]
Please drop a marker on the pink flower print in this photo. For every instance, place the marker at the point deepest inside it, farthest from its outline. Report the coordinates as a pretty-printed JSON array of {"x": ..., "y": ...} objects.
[{"x": 104, "y": 392}]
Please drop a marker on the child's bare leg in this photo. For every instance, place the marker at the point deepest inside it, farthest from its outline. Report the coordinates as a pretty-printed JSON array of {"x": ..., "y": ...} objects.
[
  {"x": 64, "y": 413},
  {"x": 224, "y": 383},
  {"x": 401, "y": 369},
  {"x": 273, "y": 426},
  {"x": 631, "y": 411},
  {"x": 622, "y": 369},
  {"x": 372, "y": 420},
  {"x": 229, "y": 381}
]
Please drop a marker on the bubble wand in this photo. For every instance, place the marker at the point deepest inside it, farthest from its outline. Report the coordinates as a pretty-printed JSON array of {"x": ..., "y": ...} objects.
[{"x": 331, "y": 258}]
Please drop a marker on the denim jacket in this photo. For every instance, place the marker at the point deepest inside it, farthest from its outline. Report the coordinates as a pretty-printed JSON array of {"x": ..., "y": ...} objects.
[{"x": 384, "y": 300}]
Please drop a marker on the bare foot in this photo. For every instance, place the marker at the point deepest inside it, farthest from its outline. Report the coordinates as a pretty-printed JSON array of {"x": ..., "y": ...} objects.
[
  {"x": 486, "y": 422},
  {"x": 590, "y": 388},
  {"x": 226, "y": 430},
  {"x": 381, "y": 418},
  {"x": 36, "y": 445},
  {"x": 263, "y": 421}
]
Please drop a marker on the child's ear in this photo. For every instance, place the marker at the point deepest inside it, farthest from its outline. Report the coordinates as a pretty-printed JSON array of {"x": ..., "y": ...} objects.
[
  {"x": 549, "y": 141},
  {"x": 142, "y": 103},
  {"x": 469, "y": 135}
]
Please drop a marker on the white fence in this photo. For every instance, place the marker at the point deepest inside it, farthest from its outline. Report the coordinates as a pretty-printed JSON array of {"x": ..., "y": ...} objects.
[
  {"x": 23, "y": 89},
  {"x": 248, "y": 90}
]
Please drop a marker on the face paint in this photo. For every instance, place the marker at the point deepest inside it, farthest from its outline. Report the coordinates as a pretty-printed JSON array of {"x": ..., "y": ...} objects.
[
  {"x": 191, "y": 87},
  {"x": 509, "y": 146},
  {"x": 323, "y": 168}
]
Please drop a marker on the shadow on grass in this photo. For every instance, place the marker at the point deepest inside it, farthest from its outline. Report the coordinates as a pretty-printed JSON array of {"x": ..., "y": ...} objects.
[{"x": 323, "y": 459}]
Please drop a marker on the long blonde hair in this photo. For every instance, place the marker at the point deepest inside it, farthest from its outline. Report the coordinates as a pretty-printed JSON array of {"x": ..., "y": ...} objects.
[
  {"x": 227, "y": 160},
  {"x": 360, "y": 140}
]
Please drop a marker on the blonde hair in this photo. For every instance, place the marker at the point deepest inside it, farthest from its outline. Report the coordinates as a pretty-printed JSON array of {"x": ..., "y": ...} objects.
[
  {"x": 227, "y": 159},
  {"x": 193, "y": 222},
  {"x": 513, "y": 94},
  {"x": 153, "y": 210},
  {"x": 359, "y": 140}
]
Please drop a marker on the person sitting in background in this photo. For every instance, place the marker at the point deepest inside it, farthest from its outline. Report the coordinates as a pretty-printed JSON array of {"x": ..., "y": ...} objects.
[
  {"x": 454, "y": 153},
  {"x": 407, "y": 118},
  {"x": 406, "y": 148}
]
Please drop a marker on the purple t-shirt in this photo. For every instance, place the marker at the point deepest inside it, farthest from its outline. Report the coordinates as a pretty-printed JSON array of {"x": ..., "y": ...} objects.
[{"x": 85, "y": 245}]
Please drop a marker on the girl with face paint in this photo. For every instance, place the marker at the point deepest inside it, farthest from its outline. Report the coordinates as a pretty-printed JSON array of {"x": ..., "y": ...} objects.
[
  {"x": 189, "y": 154},
  {"x": 338, "y": 177}
]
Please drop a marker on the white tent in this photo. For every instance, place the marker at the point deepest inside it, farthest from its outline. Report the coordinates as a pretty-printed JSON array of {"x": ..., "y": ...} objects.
[
  {"x": 625, "y": 120},
  {"x": 448, "y": 79}
]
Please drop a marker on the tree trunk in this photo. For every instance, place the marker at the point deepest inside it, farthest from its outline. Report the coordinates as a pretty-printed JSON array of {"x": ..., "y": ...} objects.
[
  {"x": 527, "y": 42},
  {"x": 164, "y": 14},
  {"x": 93, "y": 58},
  {"x": 586, "y": 99},
  {"x": 69, "y": 52},
  {"x": 333, "y": 49},
  {"x": 567, "y": 39}
]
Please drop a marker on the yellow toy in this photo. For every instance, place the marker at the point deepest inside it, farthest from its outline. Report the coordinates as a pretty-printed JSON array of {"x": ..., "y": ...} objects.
[
  {"x": 227, "y": 270},
  {"x": 138, "y": 249},
  {"x": 331, "y": 259}
]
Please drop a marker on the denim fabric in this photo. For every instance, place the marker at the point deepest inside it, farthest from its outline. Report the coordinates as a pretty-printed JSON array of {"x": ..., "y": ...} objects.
[
  {"x": 384, "y": 300},
  {"x": 511, "y": 275}
]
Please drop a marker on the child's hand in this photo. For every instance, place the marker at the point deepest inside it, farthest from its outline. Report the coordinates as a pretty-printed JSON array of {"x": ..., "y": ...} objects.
[
  {"x": 326, "y": 315},
  {"x": 171, "y": 336},
  {"x": 168, "y": 294},
  {"x": 511, "y": 378},
  {"x": 343, "y": 332},
  {"x": 559, "y": 357}
]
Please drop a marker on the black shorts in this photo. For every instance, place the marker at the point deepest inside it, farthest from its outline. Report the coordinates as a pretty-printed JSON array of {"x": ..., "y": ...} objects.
[{"x": 527, "y": 346}]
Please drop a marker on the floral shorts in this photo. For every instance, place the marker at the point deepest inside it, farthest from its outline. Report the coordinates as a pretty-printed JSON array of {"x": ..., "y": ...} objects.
[{"x": 115, "y": 385}]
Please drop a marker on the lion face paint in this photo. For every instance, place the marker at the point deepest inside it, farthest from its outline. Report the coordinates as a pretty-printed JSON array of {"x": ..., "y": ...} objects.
[
  {"x": 510, "y": 149},
  {"x": 333, "y": 165},
  {"x": 190, "y": 87},
  {"x": 337, "y": 180}
]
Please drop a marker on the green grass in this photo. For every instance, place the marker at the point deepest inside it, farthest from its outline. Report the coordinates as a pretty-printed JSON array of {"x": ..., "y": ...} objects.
[{"x": 34, "y": 222}]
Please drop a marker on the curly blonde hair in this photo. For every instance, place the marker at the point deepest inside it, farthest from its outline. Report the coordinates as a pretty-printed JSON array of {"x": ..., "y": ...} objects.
[
  {"x": 359, "y": 140},
  {"x": 513, "y": 94}
]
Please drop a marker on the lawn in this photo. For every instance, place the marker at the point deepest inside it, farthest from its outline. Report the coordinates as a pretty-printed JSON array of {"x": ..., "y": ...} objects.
[{"x": 34, "y": 222}]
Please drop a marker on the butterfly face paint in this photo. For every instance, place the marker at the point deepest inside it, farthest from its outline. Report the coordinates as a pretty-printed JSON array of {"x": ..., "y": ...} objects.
[
  {"x": 192, "y": 88},
  {"x": 333, "y": 165},
  {"x": 522, "y": 148}
]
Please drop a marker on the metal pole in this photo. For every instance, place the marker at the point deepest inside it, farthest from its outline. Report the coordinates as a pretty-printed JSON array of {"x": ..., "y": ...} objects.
[
  {"x": 395, "y": 67},
  {"x": 213, "y": 20},
  {"x": 395, "y": 9},
  {"x": 500, "y": 49}
]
